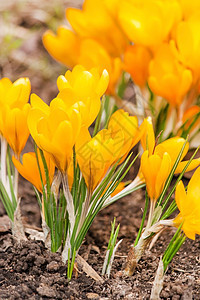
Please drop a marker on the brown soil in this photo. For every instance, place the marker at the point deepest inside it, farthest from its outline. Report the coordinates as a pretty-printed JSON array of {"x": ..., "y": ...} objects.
[{"x": 30, "y": 271}]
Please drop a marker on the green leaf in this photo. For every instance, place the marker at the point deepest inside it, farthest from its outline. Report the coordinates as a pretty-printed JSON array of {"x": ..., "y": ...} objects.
[
  {"x": 161, "y": 121},
  {"x": 13, "y": 200},
  {"x": 143, "y": 218},
  {"x": 7, "y": 203},
  {"x": 173, "y": 247}
]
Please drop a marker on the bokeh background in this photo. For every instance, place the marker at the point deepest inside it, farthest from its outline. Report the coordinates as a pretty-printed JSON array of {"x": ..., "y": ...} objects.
[{"x": 22, "y": 24}]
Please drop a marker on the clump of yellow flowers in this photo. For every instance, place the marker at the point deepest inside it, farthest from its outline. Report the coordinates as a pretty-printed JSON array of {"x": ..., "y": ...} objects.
[
  {"x": 83, "y": 139},
  {"x": 74, "y": 174},
  {"x": 155, "y": 41}
]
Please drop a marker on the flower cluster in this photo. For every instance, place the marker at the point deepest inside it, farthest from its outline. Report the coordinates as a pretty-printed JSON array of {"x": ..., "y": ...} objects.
[
  {"x": 156, "y": 42},
  {"x": 67, "y": 160},
  {"x": 83, "y": 140},
  {"x": 75, "y": 108}
]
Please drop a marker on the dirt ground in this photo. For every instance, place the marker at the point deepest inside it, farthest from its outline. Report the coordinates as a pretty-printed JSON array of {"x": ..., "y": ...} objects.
[{"x": 29, "y": 270}]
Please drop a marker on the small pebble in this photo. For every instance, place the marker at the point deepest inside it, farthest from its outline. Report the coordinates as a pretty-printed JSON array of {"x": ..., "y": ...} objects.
[
  {"x": 92, "y": 296},
  {"x": 52, "y": 266}
]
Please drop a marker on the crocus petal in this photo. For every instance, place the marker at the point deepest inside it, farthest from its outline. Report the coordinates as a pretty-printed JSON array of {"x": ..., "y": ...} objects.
[
  {"x": 172, "y": 146},
  {"x": 150, "y": 166},
  {"x": 36, "y": 102},
  {"x": 163, "y": 173},
  {"x": 33, "y": 117},
  {"x": 103, "y": 83},
  {"x": 5, "y": 85},
  {"x": 189, "y": 206},
  {"x": 194, "y": 164},
  {"x": 62, "y": 83},
  {"x": 19, "y": 92},
  {"x": 29, "y": 168},
  {"x": 64, "y": 46},
  {"x": 148, "y": 138},
  {"x": 15, "y": 128},
  {"x": 180, "y": 195},
  {"x": 194, "y": 186}
]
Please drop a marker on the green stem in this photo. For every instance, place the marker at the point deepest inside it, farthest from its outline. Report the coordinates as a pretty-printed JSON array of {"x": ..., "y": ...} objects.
[{"x": 143, "y": 218}]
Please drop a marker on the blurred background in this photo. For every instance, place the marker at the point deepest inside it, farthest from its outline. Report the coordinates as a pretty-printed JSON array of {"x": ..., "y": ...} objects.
[{"x": 22, "y": 54}]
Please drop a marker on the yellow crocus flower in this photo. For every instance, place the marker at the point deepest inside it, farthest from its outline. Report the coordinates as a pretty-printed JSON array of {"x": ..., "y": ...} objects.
[
  {"x": 93, "y": 54},
  {"x": 29, "y": 168},
  {"x": 186, "y": 44},
  {"x": 83, "y": 90},
  {"x": 15, "y": 128},
  {"x": 14, "y": 112},
  {"x": 189, "y": 206},
  {"x": 55, "y": 129},
  {"x": 125, "y": 130},
  {"x": 136, "y": 62},
  {"x": 97, "y": 20},
  {"x": 149, "y": 22},
  {"x": 173, "y": 147},
  {"x": 168, "y": 77},
  {"x": 85, "y": 51},
  {"x": 148, "y": 138},
  {"x": 95, "y": 157},
  {"x": 155, "y": 169},
  {"x": 84, "y": 83},
  {"x": 63, "y": 46},
  {"x": 158, "y": 160},
  {"x": 15, "y": 94}
]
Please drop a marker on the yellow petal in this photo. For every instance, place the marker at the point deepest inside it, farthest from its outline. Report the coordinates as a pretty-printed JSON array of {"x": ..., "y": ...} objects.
[
  {"x": 59, "y": 104},
  {"x": 37, "y": 102},
  {"x": 29, "y": 168},
  {"x": 150, "y": 167},
  {"x": 33, "y": 118},
  {"x": 16, "y": 130},
  {"x": 190, "y": 234},
  {"x": 180, "y": 195},
  {"x": 136, "y": 62},
  {"x": 18, "y": 94},
  {"x": 194, "y": 164},
  {"x": 172, "y": 146},
  {"x": 83, "y": 138},
  {"x": 64, "y": 46},
  {"x": 193, "y": 191},
  {"x": 162, "y": 175},
  {"x": 148, "y": 139},
  {"x": 62, "y": 83},
  {"x": 103, "y": 83},
  {"x": 5, "y": 85}
]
